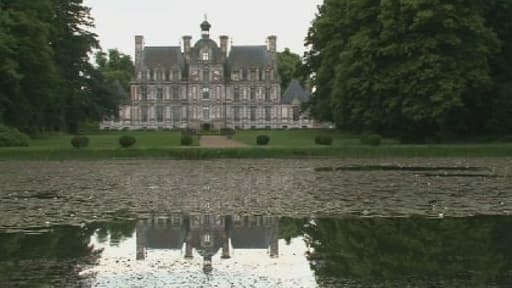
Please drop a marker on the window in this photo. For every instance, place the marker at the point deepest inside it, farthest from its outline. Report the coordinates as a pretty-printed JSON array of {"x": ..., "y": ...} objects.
[
  {"x": 158, "y": 75},
  {"x": 205, "y": 56},
  {"x": 267, "y": 94},
  {"x": 253, "y": 93},
  {"x": 296, "y": 113},
  {"x": 175, "y": 93},
  {"x": 160, "y": 114},
  {"x": 159, "y": 94},
  {"x": 253, "y": 75},
  {"x": 237, "y": 93},
  {"x": 268, "y": 115},
  {"x": 143, "y": 93},
  {"x": 253, "y": 113},
  {"x": 206, "y": 93},
  {"x": 244, "y": 75},
  {"x": 235, "y": 76},
  {"x": 144, "y": 114},
  {"x": 206, "y": 113},
  {"x": 206, "y": 75},
  {"x": 176, "y": 114},
  {"x": 176, "y": 75},
  {"x": 237, "y": 113}
]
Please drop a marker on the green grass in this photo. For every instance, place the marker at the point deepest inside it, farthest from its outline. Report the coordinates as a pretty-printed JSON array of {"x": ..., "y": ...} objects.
[
  {"x": 110, "y": 140},
  {"x": 284, "y": 144},
  {"x": 300, "y": 138}
]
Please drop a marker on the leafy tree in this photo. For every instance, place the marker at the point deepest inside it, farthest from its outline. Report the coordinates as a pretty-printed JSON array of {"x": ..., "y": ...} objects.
[
  {"x": 409, "y": 68},
  {"x": 290, "y": 65}
]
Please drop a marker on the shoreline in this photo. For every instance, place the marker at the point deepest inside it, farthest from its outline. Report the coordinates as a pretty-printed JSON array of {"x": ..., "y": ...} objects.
[{"x": 270, "y": 152}]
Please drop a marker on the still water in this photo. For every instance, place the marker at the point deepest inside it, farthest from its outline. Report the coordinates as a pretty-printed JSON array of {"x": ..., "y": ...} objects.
[{"x": 203, "y": 250}]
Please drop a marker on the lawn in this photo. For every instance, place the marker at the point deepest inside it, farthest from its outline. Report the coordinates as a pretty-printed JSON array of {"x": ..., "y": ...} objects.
[
  {"x": 283, "y": 144},
  {"x": 110, "y": 140},
  {"x": 300, "y": 138}
]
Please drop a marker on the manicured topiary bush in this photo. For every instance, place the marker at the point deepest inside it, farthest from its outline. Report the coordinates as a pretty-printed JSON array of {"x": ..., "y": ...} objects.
[
  {"x": 323, "y": 140},
  {"x": 80, "y": 142},
  {"x": 262, "y": 140},
  {"x": 12, "y": 137},
  {"x": 127, "y": 141},
  {"x": 186, "y": 140},
  {"x": 371, "y": 139}
]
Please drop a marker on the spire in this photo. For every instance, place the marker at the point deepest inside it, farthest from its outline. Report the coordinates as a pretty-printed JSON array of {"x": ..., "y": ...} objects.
[{"x": 205, "y": 27}]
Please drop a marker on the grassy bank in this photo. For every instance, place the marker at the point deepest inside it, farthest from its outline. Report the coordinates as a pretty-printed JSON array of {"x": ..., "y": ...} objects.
[
  {"x": 352, "y": 151},
  {"x": 283, "y": 144}
]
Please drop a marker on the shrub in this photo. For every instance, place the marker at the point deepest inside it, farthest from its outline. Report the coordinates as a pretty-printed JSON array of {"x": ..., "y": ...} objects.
[
  {"x": 189, "y": 131},
  {"x": 127, "y": 141},
  {"x": 186, "y": 140},
  {"x": 323, "y": 140},
  {"x": 12, "y": 137},
  {"x": 80, "y": 142},
  {"x": 262, "y": 140},
  {"x": 371, "y": 139},
  {"x": 227, "y": 131}
]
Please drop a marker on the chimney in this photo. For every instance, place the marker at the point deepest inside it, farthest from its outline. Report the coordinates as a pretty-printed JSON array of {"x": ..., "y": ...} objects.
[
  {"x": 187, "y": 46},
  {"x": 139, "y": 48},
  {"x": 272, "y": 43},
  {"x": 224, "y": 44}
]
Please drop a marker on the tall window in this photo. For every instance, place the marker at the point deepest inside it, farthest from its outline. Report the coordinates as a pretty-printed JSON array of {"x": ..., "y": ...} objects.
[
  {"x": 237, "y": 93},
  {"x": 296, "y": 113},
  {"x": 206, "y": 113},
  {"x": 244, "y": 75},
  {"x": 206, "y": 93},
  {"x": 159, "y": 94},
  {"x": 143, "y": 93},
  {"x": 253, "y": 93},
  {"x": 160, "y": 114},
  {"x": 267, "y": 94},
  {"x": 176, "y": 114},
  {"x": 175, "y": 93},
  {"x": 144, "y": 114},
  {"x": 253, "y": 75},
  {"x": 253, "y": 113},
  {"x": 237, "y": 113},
  {"x": 206, "y": 75},
  {"x": 268, "y": 115},
  {"x": 206, "y": 56},
  {"x": 158, "y": 75}
]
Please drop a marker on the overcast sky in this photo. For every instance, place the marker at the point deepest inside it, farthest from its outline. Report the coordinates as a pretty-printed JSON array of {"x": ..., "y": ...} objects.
[{"x": 164, "y": 22}]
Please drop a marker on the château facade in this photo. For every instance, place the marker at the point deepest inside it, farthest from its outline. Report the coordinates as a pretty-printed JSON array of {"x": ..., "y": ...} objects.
[{"x": 220, "y": 85}]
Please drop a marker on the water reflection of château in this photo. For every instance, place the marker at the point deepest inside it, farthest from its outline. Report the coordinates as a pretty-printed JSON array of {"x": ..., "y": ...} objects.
[{"x": 207, "y": 234}]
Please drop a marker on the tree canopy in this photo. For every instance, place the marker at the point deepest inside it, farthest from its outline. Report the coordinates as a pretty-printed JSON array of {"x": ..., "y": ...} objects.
[
  {"x": 412, "y": 68},
  {"x": 46, "y": 79}
]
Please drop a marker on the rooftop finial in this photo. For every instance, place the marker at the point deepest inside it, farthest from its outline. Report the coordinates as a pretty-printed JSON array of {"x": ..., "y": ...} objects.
[{"x": 205, "y": 17}]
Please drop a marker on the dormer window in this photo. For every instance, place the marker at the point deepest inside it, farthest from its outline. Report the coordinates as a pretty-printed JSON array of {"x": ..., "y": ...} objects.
[{"x": 205, "y": 56}]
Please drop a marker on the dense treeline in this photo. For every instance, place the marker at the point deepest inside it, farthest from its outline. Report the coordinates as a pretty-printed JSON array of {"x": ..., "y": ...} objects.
[
  {"x": 413, "y": 68},
  {"x": 47, "y": 82}
]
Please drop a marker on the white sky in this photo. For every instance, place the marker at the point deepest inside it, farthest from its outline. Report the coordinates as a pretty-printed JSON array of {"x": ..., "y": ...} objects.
[{"x": 164, "y": 22}]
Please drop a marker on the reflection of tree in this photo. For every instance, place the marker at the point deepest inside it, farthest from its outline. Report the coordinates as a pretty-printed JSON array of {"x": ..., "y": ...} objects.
[
  {"x": 290, "y": 228},
  {"x": 45, "y": 260},
  {"x": 118, "y": 231},
  {"x": 434, "y": 251}
]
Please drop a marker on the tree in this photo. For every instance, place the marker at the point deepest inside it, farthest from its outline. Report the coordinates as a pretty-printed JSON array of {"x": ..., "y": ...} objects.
[
  {"x": 407, "y": 68},
  {"x": 290, "y": 65}
]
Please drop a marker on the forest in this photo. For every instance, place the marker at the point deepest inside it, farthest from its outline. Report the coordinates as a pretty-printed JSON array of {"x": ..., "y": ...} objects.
[
  {"x": 47, "y": 80},
  {"x": 413, "y": 68}
]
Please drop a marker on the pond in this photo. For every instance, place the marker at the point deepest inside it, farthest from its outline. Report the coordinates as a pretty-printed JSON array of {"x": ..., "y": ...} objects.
[
  {"x": 201, "y": 250},
  {"x": 257, "y": 223}
]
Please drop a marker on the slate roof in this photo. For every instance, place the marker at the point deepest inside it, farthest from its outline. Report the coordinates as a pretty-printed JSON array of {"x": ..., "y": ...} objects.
[
  {"x": 251, "y": 238},
  {"x": 249, "y": 56},
  {"x": 295, "y": 90},
  {"x": 166, "y": 237},
  {"x": 165, "y": 57}
]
